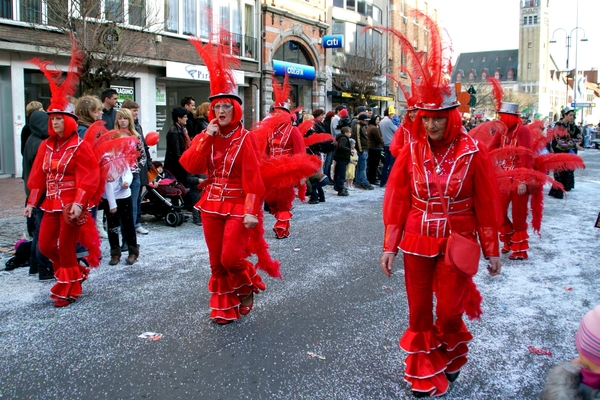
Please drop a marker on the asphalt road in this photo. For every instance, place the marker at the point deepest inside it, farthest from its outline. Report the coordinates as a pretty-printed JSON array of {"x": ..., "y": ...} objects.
[{"x": 328, "y": 330}]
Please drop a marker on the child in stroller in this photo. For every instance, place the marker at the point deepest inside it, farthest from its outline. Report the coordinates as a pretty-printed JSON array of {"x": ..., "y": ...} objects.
[{"x": 163, "y": 197}]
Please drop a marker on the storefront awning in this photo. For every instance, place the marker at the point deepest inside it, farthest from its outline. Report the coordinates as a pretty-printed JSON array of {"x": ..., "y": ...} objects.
[{"x": 349, "y": 95}]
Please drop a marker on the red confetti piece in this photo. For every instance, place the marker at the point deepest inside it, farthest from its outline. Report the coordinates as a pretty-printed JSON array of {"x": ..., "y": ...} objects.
[
  {"x": 539, "y": 352},
  {"x": 568, "y": 288}
]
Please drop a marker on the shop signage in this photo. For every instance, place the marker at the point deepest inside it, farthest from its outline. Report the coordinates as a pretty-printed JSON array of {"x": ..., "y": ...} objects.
[
  {"x": 124, "y": 92},
  {"x": 293, "y": 70},
  {"x": 333, "y": 41},
  {"x": 161, "y": 94},
  {"x": 195, "y": 72}
]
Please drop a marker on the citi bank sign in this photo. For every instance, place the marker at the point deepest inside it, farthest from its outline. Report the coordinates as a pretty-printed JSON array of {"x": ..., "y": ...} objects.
[
  {"x": 293, "y": 70},
  {"x": 333, "y": 41}
]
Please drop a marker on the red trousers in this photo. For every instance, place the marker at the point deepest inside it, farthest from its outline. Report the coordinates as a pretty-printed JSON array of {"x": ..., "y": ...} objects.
[
  {"x": 435, "y": 345},
  {"x": 58, "y": 241},
  {"x": 280, "y": 204},
  {"x": 233, "y": 277},
  {"x": 519, "y": 210}
]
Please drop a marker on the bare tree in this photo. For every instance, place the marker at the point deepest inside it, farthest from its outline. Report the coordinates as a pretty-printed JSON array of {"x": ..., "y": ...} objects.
[
  {"x": 360, "y": 74},
  {"x": 115, "y": 41}
]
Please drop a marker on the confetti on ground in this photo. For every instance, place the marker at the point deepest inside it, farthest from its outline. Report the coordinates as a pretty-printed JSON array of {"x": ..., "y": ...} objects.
[
  {"x": 296, "y": 248},
  {"x": 315, "y": 355},
  {"x": 568, "y": 288},
  {"x": 505, "y": 308},
  {"x": 539, "y": 352},
  {"x": 150, "y": 336}
]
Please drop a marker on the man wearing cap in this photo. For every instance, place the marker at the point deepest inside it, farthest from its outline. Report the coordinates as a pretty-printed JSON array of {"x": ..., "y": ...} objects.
[
  {"x": 359, "y": 134},
  {"x": 360, "y": 110},
  {"x": 514, "y": 233},
  {"x": 567, "y": 139},
  {"x": 387, "y": 128}
]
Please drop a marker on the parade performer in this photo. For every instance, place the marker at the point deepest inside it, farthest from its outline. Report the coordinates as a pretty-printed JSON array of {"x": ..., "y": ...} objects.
[
  {"x": 284, "y": 141},
  {"x": 440, "y": 155},
  {"x": 402, "y": 136},
  {"x": 513, "y": 233},
  {"x": 233, "y": 192},
  {"x": 566, "y": 140},
  {"x": 64, "y": 172}
]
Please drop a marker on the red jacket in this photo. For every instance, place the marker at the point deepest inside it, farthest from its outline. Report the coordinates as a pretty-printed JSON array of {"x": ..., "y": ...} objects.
[
  {"x": 412, "y": 213},
  {"x": 65, "y": 172},
  {"x": 234, "y": 185}
]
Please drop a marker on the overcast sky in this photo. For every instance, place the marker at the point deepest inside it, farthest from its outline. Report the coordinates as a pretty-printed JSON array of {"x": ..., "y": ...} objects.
[{"x": 480, "y": 25}]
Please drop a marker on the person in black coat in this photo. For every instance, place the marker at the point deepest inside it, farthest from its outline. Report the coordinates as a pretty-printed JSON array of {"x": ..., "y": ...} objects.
[
  {"x": 177, "y": 142},
  {"x": 342, "y": 158}
]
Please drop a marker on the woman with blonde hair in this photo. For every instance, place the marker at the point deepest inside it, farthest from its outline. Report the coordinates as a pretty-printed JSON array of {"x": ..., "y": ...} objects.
[{"x": 201, "y": 116}]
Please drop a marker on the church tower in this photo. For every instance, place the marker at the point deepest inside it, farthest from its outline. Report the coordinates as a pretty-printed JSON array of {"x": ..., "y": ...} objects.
[{"x": 533, "y": 70}]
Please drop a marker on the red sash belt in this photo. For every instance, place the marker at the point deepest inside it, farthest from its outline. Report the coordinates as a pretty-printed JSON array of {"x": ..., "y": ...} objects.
[{"x": 434, "y": 205}]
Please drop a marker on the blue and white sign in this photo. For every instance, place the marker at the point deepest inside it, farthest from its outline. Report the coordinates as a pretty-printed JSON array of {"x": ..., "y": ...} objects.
[
  {"x": 333, "y": 41},
  {"x": 293, "y": 70}
]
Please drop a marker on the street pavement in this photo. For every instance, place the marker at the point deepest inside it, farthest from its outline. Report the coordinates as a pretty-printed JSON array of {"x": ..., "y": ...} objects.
[{"x": 328, "y": 330}]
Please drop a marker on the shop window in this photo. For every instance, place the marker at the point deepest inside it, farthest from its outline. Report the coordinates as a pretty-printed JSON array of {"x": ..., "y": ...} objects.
[
  {"x": 351, "y": 5},
  {"x": 338, "y": 3}
]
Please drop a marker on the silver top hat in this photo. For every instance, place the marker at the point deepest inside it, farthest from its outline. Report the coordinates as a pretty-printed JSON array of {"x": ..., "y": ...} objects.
[
  {"x": 284, "y": 106},
  {"x": 231, "y": 95},
  {"x": 509, "y": 108},
  {"x": 448, "y": 101}
]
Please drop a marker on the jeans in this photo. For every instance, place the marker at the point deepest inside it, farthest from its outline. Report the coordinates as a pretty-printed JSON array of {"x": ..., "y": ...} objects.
[
  {"x": 124, "y": 217},
  {"x": 317, "y": 189},
  {"x": 340, "y": 175},
  {"x": 388, "y": 163},
  {"x": 136, "y": 200},
  {"x": 361, "y": 169},
  {"x": 327, "y": 164}
]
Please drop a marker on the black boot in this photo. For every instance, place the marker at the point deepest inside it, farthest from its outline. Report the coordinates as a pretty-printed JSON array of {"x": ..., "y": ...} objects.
[
  {"x": 452, "y": 376},
  {"x": 134, "y": 253}
]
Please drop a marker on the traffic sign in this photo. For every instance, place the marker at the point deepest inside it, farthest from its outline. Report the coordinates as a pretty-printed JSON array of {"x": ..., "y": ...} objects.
[{"x": 585, "y": 104}]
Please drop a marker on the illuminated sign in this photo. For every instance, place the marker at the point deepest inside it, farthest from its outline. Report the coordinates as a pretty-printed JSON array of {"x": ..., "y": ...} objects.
[
  {"x": 333, "y": 41},
  {"x": 293, "y": 70}
]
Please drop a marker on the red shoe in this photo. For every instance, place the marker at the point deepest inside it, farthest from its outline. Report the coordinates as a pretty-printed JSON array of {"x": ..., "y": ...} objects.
[
  {"x": 222, "y": 321},
  {"x": 246, "y": 308},
  {"x": 505, "y": 248},
  {"x": 62, "y": 302},
  {"x": 518, "y": 255}
]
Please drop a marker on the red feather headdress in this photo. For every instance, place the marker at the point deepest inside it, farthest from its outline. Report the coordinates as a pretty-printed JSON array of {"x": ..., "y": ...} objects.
[
  {"x": 281, "y": 92},
  {"x": 497, "y": 91},
  {"x": 61, "y": 87}
]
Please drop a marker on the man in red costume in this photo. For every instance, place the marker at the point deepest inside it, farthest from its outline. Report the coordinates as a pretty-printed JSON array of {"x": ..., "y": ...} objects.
[
  {"x": 286, "y": 140},
  {"x": 514, "y": 233}
]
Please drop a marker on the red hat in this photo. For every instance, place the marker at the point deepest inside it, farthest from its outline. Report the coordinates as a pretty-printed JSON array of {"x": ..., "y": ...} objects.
[
  {"x": 343, "y": 113},
  {"x": 61, "y": 88},
  {"x": 217, "y": 57}
]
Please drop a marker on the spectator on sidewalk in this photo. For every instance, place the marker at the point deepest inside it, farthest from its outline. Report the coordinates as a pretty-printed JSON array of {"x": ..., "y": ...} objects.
[
  {"x": 342, "y": 158},
  {"x": 109, "y": 100},
  {"x": 359, "y": 134},
  {"x": 387, "y": 128},
  {"x": 189, "y": 104},
  {"x": 375, "y": 148}
]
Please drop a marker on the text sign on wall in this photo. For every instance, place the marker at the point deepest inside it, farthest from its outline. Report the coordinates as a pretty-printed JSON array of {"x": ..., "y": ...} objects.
[
  {"x": 293, "y": 70},
  {"x": 333, "y": 41},
  {"x": 195, "y": 72}
]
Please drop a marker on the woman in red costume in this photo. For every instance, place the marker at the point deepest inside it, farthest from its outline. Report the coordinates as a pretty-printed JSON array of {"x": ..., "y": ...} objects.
[
  {"x": 284, "y": 141},
  {"x": 416, "y": 224},
  {"x": 514, "y": 233},
  {"x": 65, "y": 173},
  {"x": 233, "y": 192}
]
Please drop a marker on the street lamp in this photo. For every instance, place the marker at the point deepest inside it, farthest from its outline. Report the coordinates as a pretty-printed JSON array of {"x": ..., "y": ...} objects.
[{"x": 568, "y": 45}]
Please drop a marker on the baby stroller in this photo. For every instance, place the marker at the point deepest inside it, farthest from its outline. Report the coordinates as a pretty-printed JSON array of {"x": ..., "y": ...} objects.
[{"x": 165, "y": 201}]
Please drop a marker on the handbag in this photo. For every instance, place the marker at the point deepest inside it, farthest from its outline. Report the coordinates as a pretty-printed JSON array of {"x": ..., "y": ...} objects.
[
  {"x": 152, "y": 173},
  {"x": 461, "y": 252}
]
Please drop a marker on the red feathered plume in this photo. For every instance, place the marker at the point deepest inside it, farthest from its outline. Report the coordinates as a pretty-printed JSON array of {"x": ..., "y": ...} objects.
[
  {"x": 305, "y": 126},
  {"x": 59, "y": 87},
  {"x": 263, "y": 129},
  {"x": 540, "y": 139},
  {"x": 219, "y": 60},
  {"x": 510, "y": 179},
  {"x": 502, "y": 154},
  {"x": 484, "y": 132},
  {"x": 429, "y": 74},
  {"x": 537, "y": 210},
  {"x": 558, "y": 162},
  {"x": 281, "y": 91},
  {"x": 279, "y": 172},
  {"x": 257, "y": 245},
  {"x": 317, "y": 138},
  {"x": 115, "y": 151},
  {"x": 497, "y": 91}
]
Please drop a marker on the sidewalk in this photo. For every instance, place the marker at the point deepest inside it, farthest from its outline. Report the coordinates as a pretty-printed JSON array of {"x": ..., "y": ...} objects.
[{"x": 12, "y": 224}]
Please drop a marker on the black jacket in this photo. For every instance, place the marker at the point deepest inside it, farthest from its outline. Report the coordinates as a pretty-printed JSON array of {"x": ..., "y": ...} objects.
[
  {"x": 191, "y": 125},
  {"x": 343, "y": 149},
  {"x": 175, "y": 148},
  {"x": 38, "y": 123},
  {"x": 143, "y": 166},
  {"x": 109, "y": 116}
]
